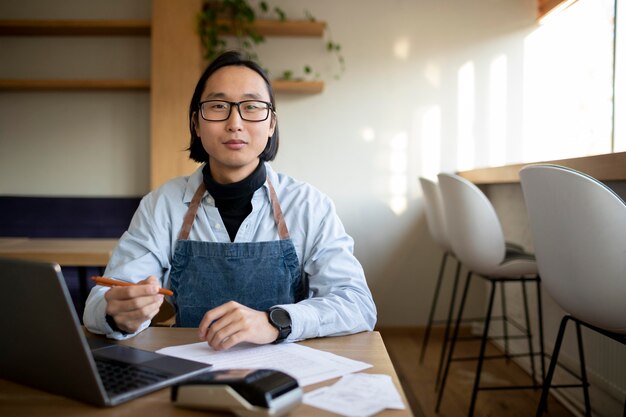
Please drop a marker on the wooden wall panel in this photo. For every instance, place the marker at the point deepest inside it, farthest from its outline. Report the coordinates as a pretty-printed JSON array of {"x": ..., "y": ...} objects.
[{"x": 176, "y": 65}]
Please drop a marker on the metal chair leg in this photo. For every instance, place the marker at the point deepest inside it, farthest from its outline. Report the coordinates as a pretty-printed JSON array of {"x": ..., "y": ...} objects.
[
  {"x": 446, "y": 336},
  {"x": 433, "y": 307},
  {"x": 455, "y": 335},
  {"x": 583, "y": 370},
  {"x": 505, "y": 324},
  {"x": 553, "y": 362},
  {"x": 529, "y": 334},
  {"x": 483, "y": 346},
  {"x": 542, "y": 352}
]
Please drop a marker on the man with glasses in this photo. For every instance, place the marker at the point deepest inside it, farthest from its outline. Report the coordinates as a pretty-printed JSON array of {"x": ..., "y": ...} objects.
[{"x": 250, "y": 254}]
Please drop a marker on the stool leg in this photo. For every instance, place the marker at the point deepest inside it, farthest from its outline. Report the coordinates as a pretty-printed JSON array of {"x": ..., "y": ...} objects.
[
  {"x": 433, "y": 307},
  {"x": 583, "y": 370},
  {"x": 446, "y": 336},
  {"x": 529, "y": 335},
  {"x": 542, "y": 352},
  {"x": 455, "y": 335},
  {"x": 483, "y": 346},
  {"x": 505, "y": 324},
  {"x": 555, "y": 356}
]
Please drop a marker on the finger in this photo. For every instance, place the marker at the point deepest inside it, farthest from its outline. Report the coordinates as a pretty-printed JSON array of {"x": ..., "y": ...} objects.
[
  {"x": 222, "y": 329},
  {"x": 231, "y": 341},
  {"x": 117, "y": 306},
  {"x": 150, "y": 280},
  {"x": 142, "y": 314},
  {"x": 139, "y": 315},
  {"x": 134, "y": 291},
  {"x": 212, "y": 315}
]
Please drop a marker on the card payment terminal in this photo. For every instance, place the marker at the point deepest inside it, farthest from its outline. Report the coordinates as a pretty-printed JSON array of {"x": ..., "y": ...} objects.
[{"x": 245, "y": 392}]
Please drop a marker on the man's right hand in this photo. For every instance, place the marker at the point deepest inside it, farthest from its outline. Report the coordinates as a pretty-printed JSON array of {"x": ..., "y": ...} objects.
[{"x": 132, "y": 306}]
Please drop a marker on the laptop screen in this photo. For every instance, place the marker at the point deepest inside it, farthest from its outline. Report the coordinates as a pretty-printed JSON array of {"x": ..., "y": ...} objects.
[{"x": 45, "y": 347}]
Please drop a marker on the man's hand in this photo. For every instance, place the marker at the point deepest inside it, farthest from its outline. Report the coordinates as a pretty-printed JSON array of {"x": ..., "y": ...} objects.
[
  {"x": 131, "y": 306},
  {"x": 232, "y": 323}
]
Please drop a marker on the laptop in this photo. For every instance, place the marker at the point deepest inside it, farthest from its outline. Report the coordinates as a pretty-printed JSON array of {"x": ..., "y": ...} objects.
[{"x": 45, "y": 347}]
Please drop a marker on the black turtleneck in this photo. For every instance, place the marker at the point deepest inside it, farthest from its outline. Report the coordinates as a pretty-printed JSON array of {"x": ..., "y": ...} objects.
[{"x": 234, "y": 201}]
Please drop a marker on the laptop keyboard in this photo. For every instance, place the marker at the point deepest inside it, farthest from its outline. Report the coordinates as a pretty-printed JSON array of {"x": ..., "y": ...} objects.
[{"x": 119, "y": 377}]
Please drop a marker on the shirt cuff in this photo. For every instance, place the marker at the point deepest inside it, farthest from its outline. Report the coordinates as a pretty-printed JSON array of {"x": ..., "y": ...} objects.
[
  {"x": 98, "y": 323},
  {"x": 304, "y": 322}
]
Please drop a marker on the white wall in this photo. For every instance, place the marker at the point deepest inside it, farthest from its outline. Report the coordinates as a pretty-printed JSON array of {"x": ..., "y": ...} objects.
[{"x": 401, "y": 85}]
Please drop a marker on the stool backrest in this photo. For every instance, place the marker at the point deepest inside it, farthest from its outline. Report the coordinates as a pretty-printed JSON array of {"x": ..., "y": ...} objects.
[
  {"x": 472, "y": 224},
  {"x": 579, "y": 233},
  {"x": 433, "y": 206}
]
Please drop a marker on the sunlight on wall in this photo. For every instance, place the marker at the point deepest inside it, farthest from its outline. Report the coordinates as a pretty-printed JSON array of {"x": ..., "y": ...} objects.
[
  {"x": 567, "y": 84},
  {"x": 466, "y": 117},
  {"x": 398, "y": 187},
  {"x": 497, "y": 111},
  {"x": 401, "y": 48},
  {"x": 432, "y": 73},
  {"x": 430, "y": 149},
  {"x": 368, "y": 134}
]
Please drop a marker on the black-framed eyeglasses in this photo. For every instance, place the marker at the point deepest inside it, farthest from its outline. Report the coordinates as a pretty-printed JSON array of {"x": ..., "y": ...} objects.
[{"x": 249, "y": 110}]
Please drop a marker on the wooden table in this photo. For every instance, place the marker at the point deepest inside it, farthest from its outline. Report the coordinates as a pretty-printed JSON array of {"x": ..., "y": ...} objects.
[
  {"x": 64, "y": 251},
  {"x": 67, "y": 252},
  {"x": 18, "y": 400}
]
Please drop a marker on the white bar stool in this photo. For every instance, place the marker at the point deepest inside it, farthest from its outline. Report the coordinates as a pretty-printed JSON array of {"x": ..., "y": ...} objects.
[{"x": 477, "y": 239}]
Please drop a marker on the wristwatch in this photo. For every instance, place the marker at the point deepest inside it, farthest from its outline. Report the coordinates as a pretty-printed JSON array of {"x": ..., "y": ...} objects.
[{"x": 280, "y": 319}]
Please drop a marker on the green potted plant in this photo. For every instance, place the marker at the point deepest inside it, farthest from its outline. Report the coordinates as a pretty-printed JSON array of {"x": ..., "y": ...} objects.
[{"x": 219, "y": 19}]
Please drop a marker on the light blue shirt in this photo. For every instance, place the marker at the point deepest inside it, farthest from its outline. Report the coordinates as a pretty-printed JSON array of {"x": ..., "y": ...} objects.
[{"x": 339, "y": 300}]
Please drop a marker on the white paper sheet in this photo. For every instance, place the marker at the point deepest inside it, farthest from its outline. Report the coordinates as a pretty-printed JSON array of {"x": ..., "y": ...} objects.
[
  {"x": 307, "y": 365},
  {"x": 357, "y": 395}
]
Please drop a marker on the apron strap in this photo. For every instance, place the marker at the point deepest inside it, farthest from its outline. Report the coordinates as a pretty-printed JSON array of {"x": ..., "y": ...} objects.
[
  {"x": 283, "y": 232},
  {"x": 190, "y": 215}
]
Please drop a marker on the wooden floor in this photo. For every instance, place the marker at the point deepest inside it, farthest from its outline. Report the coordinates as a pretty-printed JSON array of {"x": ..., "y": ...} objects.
[{"x": 419, "y": 381}]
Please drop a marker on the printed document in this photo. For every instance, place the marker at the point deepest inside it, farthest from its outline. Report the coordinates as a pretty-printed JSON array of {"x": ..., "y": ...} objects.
[
  {"x": 305, "y": 364},
  {"x": 357, "y": 395}
]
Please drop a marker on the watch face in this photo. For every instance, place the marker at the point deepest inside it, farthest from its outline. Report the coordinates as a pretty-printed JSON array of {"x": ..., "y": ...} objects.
[{"x": 280, "y": 318}]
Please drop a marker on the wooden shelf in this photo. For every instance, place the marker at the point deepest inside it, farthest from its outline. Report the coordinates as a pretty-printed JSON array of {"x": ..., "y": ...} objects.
[
  {"x": 288, "y": 28},
  {"x": 74, "y": 27},
  {"x": 282, "y": 86},
  {"x": 308, "y": 87},
  {"x": 607, "y": 167},
  {"x": 43, "y": 85}
]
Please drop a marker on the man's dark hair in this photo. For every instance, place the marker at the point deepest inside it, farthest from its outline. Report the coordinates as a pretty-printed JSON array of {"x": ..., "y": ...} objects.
[{"x": 196, "y": 150}]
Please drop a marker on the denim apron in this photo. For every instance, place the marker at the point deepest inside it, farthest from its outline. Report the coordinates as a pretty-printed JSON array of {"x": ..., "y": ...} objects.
[{"x": 258, "y": 275}]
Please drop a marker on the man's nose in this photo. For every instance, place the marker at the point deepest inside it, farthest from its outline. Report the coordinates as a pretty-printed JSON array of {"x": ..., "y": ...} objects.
[{"x": 234, "y": 119}]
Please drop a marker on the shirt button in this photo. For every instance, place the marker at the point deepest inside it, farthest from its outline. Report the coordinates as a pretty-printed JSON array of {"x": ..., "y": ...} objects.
[{"x": 217, "y": 226}]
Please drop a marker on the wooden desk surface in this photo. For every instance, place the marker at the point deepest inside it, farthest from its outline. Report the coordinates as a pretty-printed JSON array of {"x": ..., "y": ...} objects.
[
  {"x": 18, "y": 400},
  {"x": 64, "y": 251}
]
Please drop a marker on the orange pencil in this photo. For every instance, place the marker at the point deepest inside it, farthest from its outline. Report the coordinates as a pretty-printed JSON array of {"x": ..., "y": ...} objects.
[{"x": 108, "y": 282}]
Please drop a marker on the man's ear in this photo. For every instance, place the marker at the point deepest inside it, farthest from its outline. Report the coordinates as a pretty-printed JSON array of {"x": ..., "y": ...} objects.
[
  {"x": 195, "y": 124},
  {"x": 272, "y": 125}
]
